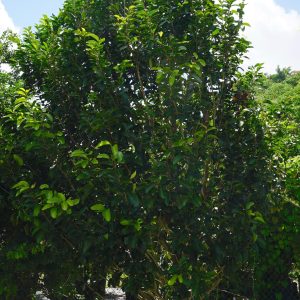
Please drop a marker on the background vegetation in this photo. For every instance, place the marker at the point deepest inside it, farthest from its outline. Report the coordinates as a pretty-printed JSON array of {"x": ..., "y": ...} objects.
[{"x": 135, "y": 154}]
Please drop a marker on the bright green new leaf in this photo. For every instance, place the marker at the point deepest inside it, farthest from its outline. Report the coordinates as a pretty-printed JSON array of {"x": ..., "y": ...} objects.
[
  {"x": 106, "y": 215},
  {"x": 53, "y": 212},
  {"x": 98, "y": 207},
  {"x": 173, "y": 280},
  {"x": 72, "y": 202},
  {"x": 47, "y": 206},
  {"x": 78, "y": 153},
  {"x": 202, "y": 62},
  {"x": 172, "y": 79},
  {"x": 180, "y": 278},
  {"x": 44, "y": 186},
  {"x": 104, "y": 156},
  {"x": 119, "y": 157},
  {"x": 21, "y": 184},
  {"x": 61, "y": 197},
  {"x": 102, "y": 143},
  {"x": 133, "y": 175},
  {"x": 115, "y": 150},
  {"x": 64, "y": 206}
]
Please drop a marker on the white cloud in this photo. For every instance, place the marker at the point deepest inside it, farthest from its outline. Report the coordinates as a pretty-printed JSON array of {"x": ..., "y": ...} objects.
[
  {"x": 5, "y": 21},
  {"x": 274, "y": 33}
]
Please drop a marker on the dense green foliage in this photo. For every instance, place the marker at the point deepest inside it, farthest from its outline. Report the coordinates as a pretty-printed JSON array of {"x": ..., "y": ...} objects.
[
  {"x": 279, "y": 97},
  {"x": 133, "y": 151}
]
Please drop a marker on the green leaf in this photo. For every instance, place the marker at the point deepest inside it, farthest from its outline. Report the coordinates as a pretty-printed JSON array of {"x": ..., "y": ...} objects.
[
  {"x": 64, "y": 206},
  {"x": 52, "y": 200},
  {"x": 118, "y": 17},
  {"x": 173, "y": 76},
  {"x": 73, "y": 202},
  {"x": 106, "y": 215},
  {"x": 202, "y": 62},
  {"x": 249, "y": 205},
  {"x": 36, "y": 211},
  {"x": 138, "y": 224},
  {"x": 259, "y": 219},
  {"x": 49, "y": 117},
  {"x": 20, "y": 100},
  {"x": 84, "y": 163},
  {"x": 172, "y": 281},
  {"x": 21, "y": 184},
  {"x": 47, "y": 206},
  {"x": 215, "y": 32},
  {"x": 172, "y": 79},
  {"x": 53, "y": 212},
  {"x": 102, "y": 143},
  {"x": 133, "y": 175},
  {"x": 94, "y": 36},
  {"x": 61, "y": 140},
  {"x": 195, "y": 55},
  {"x": 246, "y": 24},
  {"x": 125, "y": 222},
  {"x": 18, "y": 159},
  {"x": 61, "y": 197},
  {"x": 22, "y": 92},
  {"x": 180, "y": 278},
  {"x": 119, "y": 157},
  {"x": 255, "y": 237},
  {"x": 104, "y": 156},
  {"x": 98, "y": 207},
  {"x": 94, "y": 161},
  {"x": 134, "y": 187},
  {"x": 44, "y": 186},
  {"x": 115, "y": 150},
  {"x": 159, "y": 76},
  {"x": 78, "y": 153}
]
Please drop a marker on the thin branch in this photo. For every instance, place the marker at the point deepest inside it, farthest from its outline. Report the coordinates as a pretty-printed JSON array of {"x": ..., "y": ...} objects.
[
  {"x": 4, "y": 190},
  {"x": 142, "y": 89},
  {"x": 233, "y": 294},
  {"x": 67, "y": 178}
]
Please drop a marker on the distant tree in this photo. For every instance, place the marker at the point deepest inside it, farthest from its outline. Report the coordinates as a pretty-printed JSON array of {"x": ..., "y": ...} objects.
[
  {"x": 280, "y": 107},
  {"x": 281, "y": 74}
]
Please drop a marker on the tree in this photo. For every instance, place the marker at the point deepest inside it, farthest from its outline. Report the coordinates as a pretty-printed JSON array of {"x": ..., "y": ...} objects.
[
  {"x": 138, "y": 154},
  {"x": 281, "y": 74}
]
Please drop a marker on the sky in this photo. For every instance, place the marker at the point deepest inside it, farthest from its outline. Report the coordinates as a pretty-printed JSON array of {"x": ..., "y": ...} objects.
[
  {"x": 28, "y": 12},
  {"x": 274, "y": 31}
]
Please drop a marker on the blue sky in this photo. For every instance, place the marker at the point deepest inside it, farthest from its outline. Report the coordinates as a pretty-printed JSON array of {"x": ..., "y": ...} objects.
[
  {"x": 274, "y": 31},
  {"x": 288, "y": 4},
  {"x": 28, "y": 12}
]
